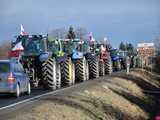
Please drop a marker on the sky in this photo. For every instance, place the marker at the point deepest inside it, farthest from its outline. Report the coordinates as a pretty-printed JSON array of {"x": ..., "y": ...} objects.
[{"x": 118, "y": 20}]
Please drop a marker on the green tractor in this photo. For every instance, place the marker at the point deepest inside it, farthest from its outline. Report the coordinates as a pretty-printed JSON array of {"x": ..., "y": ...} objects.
[
  {"x": 43, "y": 58},
  {"x": 85, "y": 63}
]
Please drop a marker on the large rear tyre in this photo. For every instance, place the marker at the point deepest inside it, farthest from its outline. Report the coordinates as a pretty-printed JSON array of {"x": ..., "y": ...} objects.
[
  {"x": 44, "y": 72},
  {"x": 58, "y": 76},
  {"x": 73, "y": 74},
  {"x": 101, "y": 68},
  {"x": 94, "y": 68},
  {"x": 108, "y": 66},
  {"x": 68, "y": 72},
  {"x": 51, "y": 79},
  {"x": 82, "y": 70}
]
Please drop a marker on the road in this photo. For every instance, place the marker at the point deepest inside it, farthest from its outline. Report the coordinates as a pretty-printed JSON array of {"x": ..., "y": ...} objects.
[
  {"x": 8, "y": 99},
  {"x": 9, "y": 105},
  {"x": 71, "y": 102}
]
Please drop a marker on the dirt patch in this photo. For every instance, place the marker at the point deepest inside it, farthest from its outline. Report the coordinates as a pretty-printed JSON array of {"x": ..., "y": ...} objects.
[{"x": 119, "y": 97}]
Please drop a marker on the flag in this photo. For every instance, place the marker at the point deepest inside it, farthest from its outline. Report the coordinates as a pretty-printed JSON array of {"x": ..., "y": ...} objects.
[
  {"x": 16, "y": 50},
  {"x": 91, "y": 38},
  {"x": 23, "y": 31},
  {"x": 18, "y": 46}
]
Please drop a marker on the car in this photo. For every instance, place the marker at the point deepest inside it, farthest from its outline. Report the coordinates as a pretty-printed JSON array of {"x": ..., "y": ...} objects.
[{"x": 13, "y": 79}]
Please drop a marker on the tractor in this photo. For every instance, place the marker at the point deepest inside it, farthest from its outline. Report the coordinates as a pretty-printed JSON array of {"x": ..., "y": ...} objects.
[
  {"x": 104, "y": 60},
  {"x": 116, "y": 60},
  {"x": 123, "y": 58},
  {"x": 80, "y": 56},
  {"x": 42, "y": 59}
]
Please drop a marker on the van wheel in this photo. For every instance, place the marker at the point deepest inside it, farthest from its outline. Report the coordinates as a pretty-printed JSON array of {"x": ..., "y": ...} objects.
[
  {"x": 28, "y": 89},
  {"x": 17, "y": 94}
]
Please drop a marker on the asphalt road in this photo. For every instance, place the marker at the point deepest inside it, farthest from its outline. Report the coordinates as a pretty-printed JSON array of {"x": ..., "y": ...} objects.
[
  {"x": 8, "y": 99},
  {"x": 9, "y": 105}
]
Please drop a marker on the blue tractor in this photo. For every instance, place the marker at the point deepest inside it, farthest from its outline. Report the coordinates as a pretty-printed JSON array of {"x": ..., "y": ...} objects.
[
  {"x": 42, "y": 59},
  {"x": 116, "y": 59}
]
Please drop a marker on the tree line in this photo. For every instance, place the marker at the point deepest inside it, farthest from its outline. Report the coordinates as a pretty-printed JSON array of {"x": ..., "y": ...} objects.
[{"x": 127, "y": 47}]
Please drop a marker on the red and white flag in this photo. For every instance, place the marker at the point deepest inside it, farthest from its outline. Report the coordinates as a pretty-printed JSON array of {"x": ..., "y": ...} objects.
[
  {"x": 91, "y": 38},
  {"x": 23, "y": 31},
  {"x": 18, "y": 48}
]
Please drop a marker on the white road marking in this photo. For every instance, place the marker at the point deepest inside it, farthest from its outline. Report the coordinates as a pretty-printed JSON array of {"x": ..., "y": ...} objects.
[
  {"x": 36, "y": 97},
  {"x": 151, "y": 92},
  {"x": 39, "y": 96}
]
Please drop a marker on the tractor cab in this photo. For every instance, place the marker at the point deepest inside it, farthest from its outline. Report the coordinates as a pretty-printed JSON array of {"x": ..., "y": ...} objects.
[
  {"x": 75, "y": 47},
  {"x": 114, "y": 54},
  {"x": 33, "y": 45}
]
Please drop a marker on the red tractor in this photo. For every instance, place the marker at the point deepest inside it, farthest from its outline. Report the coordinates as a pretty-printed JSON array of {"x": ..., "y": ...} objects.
[{"x": 105, "y": 62}]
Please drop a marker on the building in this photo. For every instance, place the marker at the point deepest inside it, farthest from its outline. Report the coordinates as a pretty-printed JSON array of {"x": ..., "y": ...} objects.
[{"x": 146, "y": 51}]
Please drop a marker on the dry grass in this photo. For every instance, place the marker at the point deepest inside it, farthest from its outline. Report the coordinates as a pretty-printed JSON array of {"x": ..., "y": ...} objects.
[{"x": 120, "y": 98}]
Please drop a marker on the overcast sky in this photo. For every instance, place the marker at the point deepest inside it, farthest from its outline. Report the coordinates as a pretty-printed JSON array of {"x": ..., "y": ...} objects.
[{"x": 119, "y": 20}]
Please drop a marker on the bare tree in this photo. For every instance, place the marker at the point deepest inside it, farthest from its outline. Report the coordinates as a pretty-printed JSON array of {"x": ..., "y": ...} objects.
[
  {"x": 5, "y": 47},
  {"x": 58, "y": 33},
  {"x": 81, "y": 33}
]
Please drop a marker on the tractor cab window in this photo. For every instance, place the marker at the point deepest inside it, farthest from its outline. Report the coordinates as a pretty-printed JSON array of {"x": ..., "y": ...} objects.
[
  {"x": 69, "y": 46},
  {"x": 85, "y": 47},
  {"x": 78, "y": 46},
  {"x": 34, "y": 45},
  {"x": 114, "y": 52},
  {"x": 54, "y": 46}
]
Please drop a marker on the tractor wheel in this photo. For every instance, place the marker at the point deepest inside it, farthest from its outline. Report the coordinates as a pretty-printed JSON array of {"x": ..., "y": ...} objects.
[
  {"x": 101, "y": 68},
  {"x": 58, "y": 76},
  {"x": 94, "y": 68},
  {"x": 51, "y": 79},
  {"x": 68, "y": 74},
  {"x": 73, "y": 73},
  {"x": 118, "y": 65},
  {"x": 81, "y": 70},
  {"x": 44, "y": 71},
  {"x": 108, "y": 66}
]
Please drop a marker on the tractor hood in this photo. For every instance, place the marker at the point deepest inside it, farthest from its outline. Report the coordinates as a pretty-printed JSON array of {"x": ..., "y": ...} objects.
[
  {"x": 77, "y": 55},
  {"x": 114, "y": 58}
]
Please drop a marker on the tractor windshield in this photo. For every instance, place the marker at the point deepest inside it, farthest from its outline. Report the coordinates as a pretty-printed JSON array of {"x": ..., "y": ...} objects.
[
  {"x": 54, "y": 46},
  {"x": 85, "y": 47},
  {"x": 33, "y": 45},
  {"x": 123, "y": 53},
  {"x": 114, "y": 52},
  {"x": 69, "y": 46}
]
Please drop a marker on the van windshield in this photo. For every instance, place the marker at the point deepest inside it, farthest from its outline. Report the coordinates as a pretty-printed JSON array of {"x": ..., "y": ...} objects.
[{"x": 4, "y": 67}]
